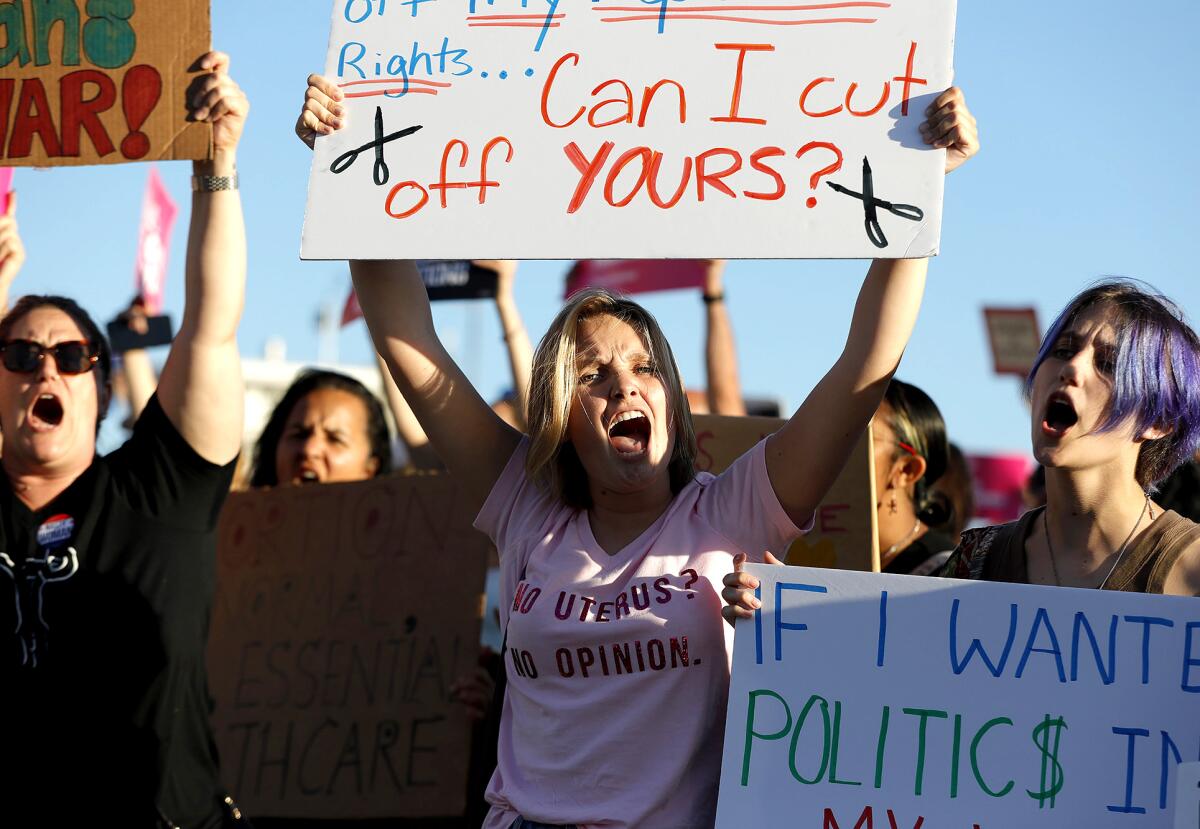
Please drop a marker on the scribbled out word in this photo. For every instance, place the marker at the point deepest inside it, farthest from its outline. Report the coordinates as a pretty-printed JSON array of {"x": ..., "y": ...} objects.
[
  {"x": 392, "y": 204},
  {"x": 445, "y": 61}
]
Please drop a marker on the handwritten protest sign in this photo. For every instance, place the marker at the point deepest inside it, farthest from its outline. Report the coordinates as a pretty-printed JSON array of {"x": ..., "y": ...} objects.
[
  {"x": 845, "y": 526},
  {"x": 343, "y": 614},
  {"x": 99, "y": 82},
  {"x": 584, "y": 130},
  {"x": 868, "y": 700}
]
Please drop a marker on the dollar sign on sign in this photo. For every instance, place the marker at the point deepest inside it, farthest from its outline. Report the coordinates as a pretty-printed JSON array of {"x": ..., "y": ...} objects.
[{"x": 1046, "y": 737}]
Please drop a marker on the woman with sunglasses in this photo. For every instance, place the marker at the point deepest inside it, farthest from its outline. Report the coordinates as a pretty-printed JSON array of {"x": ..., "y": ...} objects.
[
  {"x": 107, "y": 564},
  {"x": 1115, "y": 401}
]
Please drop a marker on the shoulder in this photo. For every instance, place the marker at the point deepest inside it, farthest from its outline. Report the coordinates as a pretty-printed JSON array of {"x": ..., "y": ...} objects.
[
  {"x": 1183, "y": 578},
  {"x": 969, "y": 557}
]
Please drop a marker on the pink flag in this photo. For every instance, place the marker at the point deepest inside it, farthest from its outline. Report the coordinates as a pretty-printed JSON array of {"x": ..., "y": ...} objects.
[
  {"x": 633, "y": 276},
  {"x": 6, "y": 175},
  {"x": 999, "y": 483},
  {"x": 154, "y": 243},
  {"x": 353, "y": 310}
]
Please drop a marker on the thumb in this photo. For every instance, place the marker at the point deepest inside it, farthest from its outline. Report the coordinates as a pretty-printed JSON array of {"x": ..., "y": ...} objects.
[
  {"x": 769, "y": 558},
  {"x": 739, "y": 561}
]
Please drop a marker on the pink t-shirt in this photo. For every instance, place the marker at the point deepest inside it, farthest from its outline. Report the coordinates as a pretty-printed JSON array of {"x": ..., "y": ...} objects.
[{"x": 618, "y": 665}]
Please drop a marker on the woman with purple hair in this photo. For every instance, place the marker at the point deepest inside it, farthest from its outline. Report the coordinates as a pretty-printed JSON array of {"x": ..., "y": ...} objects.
[{"x": 1115, "y": 397}]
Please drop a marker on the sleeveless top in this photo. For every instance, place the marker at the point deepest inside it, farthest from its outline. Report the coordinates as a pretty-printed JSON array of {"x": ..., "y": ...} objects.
[{"x": 998, "y": 553}]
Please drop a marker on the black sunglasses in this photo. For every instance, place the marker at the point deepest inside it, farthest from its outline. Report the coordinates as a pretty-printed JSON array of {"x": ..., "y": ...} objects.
[{"x": 71, "y": 357}]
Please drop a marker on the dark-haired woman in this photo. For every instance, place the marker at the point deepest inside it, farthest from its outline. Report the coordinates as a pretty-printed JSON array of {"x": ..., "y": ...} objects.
[
  {"x": 1115, "y": 397},
  {"x": 327, "y": 428},
  {"x": 911, "y": 454},
  {"x": 107, "y": 563}
]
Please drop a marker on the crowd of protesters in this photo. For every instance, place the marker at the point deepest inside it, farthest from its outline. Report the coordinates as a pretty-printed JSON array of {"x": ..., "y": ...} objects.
[{"x": 583, "y": 477}]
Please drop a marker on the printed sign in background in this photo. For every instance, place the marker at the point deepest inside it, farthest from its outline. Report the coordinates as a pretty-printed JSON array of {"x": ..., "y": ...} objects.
[
  {"x": 343, "y": 614},
  {"x": 99, "y": 81},
  {"x": 682, "y": 128},
  {"x": 1014, "y": 337},
  {"x": 845, "y": 526},
  {"x": 862, "y": 700}
]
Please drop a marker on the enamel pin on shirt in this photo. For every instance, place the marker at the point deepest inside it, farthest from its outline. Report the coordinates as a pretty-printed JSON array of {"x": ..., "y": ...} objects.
[{"x": 871, "y": 205}]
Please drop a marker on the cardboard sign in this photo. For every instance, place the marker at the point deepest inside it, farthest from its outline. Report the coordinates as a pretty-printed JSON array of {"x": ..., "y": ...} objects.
[
  {"x": 897, "y": 701},
  {"x": 636, "y": 276},
  {"x": 343, "y": 614},
  {"x": 586, "y": 130},
  {"x": 1014, "y": 336},
  {"x": 87, "y": 82},
  {"x": 845, "y": 527}
]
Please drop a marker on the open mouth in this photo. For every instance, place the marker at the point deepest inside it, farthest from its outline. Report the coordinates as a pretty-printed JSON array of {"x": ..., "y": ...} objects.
[
  {"x": 306, "y": 476},
  {"x": 1060, "y": 415},
  {"x": 629, "y": 433},
  {"x": 47, "y": 411}
]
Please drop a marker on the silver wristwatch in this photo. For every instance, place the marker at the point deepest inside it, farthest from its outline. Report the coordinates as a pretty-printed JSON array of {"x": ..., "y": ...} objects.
[{"x": 210, "y": 184}]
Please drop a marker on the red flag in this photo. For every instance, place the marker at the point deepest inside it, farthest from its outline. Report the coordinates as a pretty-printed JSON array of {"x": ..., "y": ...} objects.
[
  {"x": 633, "y": 276},
  {"x": 154, "y": 243},
  {"x": 353, "y": 310}
]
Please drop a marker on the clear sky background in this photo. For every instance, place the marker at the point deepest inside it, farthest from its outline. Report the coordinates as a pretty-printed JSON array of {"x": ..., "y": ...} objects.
[{"x": 1088, "y": 125}]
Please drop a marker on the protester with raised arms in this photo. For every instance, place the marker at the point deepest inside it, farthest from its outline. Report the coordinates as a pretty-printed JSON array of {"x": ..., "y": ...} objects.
[
  {"x": 610, "y": 543},
  {"x": 108, "y": 563},
  {"x": 1115, "y": 399}
]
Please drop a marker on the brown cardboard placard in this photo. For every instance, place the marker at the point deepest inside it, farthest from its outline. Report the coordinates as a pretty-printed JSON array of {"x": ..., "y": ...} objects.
[
  {"x": 343, "y": 614},
  {"x": 845, "y": 528},
  {"x": 87, "y": 82},
  {"x": 1014, "y": 337}
]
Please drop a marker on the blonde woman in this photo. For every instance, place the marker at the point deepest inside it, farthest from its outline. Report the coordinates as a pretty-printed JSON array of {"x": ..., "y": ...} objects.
[{"x": 611, "y": 546}]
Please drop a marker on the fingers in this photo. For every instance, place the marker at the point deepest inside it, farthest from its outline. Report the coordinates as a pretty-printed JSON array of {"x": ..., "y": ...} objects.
[
  {"x": 769, "y": 558},
  {"x": 474, "y": 692},
  {"x": 738, "y": 592},
  {"x": 214, "y": 62},
  {"x": 217, "y": 96},
  {"x": 11, "y": 210},
  {"x": 322, "y": 112},
  {"x": 950, "y": 125}
]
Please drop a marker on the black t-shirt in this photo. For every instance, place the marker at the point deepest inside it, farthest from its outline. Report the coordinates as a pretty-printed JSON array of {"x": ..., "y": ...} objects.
[{"x": 105, "y": 597}]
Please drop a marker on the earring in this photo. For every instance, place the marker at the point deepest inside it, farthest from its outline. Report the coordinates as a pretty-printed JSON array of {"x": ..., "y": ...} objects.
[{"x": 892, "y": 509}]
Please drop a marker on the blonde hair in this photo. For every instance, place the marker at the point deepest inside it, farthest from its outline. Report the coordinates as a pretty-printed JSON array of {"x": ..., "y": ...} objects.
[{"x": 552, "y": 461}]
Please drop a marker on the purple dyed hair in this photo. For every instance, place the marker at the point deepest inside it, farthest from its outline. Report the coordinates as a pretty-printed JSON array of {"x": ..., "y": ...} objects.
[{"x": 1156, "y": 380}]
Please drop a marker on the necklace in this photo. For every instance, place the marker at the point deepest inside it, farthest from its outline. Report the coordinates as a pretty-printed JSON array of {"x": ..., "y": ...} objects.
[
  {"x": 899, "y": 545},
  {"x": 1120, "y": 551}
]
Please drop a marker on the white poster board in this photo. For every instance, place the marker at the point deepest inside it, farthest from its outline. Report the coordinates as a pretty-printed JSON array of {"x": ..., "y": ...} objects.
[
  {"x": 626, "y": 129},
  {"x": 862, "y": 700}
]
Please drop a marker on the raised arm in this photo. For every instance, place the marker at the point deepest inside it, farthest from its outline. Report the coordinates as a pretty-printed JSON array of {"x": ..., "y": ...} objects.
[
  {"x": 473, "y": 442},
  {"x": 807, "y": 454},
  {"x": 416, "y": 442},
  {"x": 201, "y": 384},
  {"x": 516, "y": 338},
  {"x": 720, "y": 353}
]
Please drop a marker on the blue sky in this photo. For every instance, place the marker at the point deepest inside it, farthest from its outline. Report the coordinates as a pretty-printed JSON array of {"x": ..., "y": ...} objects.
[{"x": 1088, "y": 126}]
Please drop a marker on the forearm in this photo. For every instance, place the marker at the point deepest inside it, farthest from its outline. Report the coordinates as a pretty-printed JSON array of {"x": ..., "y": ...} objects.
[
  {"x": 407, "y": 427},
  {"x": 139, "y": 377},
  {"x": 724, "y": 388},
  {"x": 884, "y": 317},
  {"x": 216, "y": 261},
  {"x": 520, "y": 350}
]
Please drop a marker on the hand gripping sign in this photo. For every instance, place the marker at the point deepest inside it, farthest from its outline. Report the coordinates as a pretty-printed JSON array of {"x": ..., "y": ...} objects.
[
  {"x": 869, "y": 700},
  {"x": 619, "y": 129}
]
